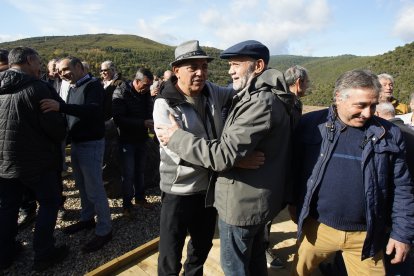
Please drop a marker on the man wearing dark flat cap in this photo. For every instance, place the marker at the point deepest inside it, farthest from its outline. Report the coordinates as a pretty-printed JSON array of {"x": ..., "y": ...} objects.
[
  {"x": 196, "y": 104},
  {"x": 258, "y": 120}
]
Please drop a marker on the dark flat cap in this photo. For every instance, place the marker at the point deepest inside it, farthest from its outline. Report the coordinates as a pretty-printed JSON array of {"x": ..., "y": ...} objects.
[
  {"x": 250, "y": 48},
  {"x": 189, "y": 50}
]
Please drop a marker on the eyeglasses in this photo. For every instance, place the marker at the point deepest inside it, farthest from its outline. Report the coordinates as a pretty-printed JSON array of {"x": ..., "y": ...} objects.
[{"x": 104, "y": 70}]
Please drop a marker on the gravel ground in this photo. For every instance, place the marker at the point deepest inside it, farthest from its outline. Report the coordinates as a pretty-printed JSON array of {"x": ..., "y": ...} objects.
[{"x": 128, "y": 233}]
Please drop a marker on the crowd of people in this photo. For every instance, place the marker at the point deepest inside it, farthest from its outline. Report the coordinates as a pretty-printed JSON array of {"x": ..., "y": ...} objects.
[{"x": 234, "y": 155}]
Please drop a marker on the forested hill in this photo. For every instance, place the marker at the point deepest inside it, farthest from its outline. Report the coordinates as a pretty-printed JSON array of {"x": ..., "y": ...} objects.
[
  {"x": 324, "y": 71},
  {"x": 130, "y": 51}
]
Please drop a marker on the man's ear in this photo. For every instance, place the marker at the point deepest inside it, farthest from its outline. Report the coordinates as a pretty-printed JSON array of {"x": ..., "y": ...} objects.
[
  {"x": 260, "y": 66},
  {"x": 298, "y": 82},
  {"x": 29, "y": 59},
  {"x": 337, "y": 98}
]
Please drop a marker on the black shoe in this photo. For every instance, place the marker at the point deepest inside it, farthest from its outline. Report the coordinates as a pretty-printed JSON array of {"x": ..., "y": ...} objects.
[
  {"x": 97, "y": 243},
  {"x": 18, "y": 248},
  {"x": 273, "y": 261},
  {"x": 143, "y": 203},
  {"x": 57, "y": 255},
  {"x": 26, "y": 218},
  {"x": 127, "y": 212},
  {"x": 80, "y": 225}
]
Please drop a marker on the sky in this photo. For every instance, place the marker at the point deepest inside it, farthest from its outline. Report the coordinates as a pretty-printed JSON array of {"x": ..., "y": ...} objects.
[{"x": 296, "y": 27}]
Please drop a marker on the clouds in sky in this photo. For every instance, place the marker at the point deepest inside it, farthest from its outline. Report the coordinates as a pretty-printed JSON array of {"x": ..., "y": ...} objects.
[
  {"x": 275, "y": 23},
  {"x": 404, "y": 26},
  {"x": 285, "y": 26}
]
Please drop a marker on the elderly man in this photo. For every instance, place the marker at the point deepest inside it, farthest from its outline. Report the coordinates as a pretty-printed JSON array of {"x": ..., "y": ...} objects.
[
  {"x": 197, "y": 104},
  {"x": 258, "y": 120},
  {"x": 350, "y": 209},
  {"x": 387, "y": 94},
  {"x": 52, "y": 75},
  {"x": 30, "y": 158},
  {"x": 111, "y": 79},
  {"x": 84, "y": 116},
  {"x": 111, "y": 171}
]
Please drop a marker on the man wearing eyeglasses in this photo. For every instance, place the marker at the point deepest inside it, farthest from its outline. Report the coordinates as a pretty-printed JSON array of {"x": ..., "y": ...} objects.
[
  {"x": 111, "y": 169},
  {"x": 84, "y": 115}
]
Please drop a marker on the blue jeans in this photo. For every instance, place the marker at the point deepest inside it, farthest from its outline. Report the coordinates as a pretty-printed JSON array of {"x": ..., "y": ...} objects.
[
  {"x": 242, "y": 249},
  {"x": 47, "y": 192},
  {"x": 86, "y": 159},
  {"x": 133, "y": 158}
]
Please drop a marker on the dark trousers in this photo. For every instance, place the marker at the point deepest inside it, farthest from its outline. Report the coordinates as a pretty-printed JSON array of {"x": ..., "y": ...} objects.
[
  {"x": 28, "y": 202},
  {"x": 133, "y": 157},
  {"x": 47, "y": 193},
  {"x": 181, "y": 215}
]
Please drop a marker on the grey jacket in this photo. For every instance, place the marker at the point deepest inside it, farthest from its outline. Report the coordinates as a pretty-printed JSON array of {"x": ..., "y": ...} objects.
[
  {"x": 176, "y": 176},
  {"x": 257, "y": 120}
]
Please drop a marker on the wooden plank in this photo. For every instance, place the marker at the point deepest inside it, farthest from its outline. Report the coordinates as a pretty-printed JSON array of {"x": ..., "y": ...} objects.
[
  {"x": 127, "y": 258},
  {"x": 282, "y": 237},
  {"x": 135, "y": 271},
  {"x": 149, "y": 264}
]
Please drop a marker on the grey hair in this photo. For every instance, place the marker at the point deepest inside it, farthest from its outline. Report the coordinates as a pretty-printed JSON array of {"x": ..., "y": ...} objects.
[
  {"x": 356, "y": 79},
  {"x": 294, "y": 73},
  {"x": 86, "y": 66},
  {"x": 385, "y": 76},
  {"x": 20, "y": 54},
  {"x": 143, "y": 72},
  {"x": 73, "y": 61},
  {"x": 109, "y": 64},
  {"x": 54, "y": 60},
  {"x": 386, "y": 108}
]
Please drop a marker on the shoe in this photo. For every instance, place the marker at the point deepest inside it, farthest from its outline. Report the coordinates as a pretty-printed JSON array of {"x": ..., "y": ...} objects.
[
  {"x": 18, "y": 248},
  {"x": 273, "y": 261},
  {"x": 80, "y": 225},
  {"x": 26, "y": 218},
  {"x": 143, "y": 203},
  {"x": 127, "y": 212},
  {"x": 97, "y": 243},
  {"x": 57, "y": 255}
]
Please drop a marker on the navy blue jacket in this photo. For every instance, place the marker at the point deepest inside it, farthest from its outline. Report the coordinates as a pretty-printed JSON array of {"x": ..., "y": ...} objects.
[
  {"x": 389, "y": 197},
  {"x": 91, "y": 124}
]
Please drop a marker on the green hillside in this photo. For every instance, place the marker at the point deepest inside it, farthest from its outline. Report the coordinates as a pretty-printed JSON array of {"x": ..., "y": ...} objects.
[{"x": 130, "y": 51}]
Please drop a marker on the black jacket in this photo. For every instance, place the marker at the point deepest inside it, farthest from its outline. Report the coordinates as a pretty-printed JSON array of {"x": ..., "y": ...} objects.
[
  {"x": 29, "y": 139},
  {"x": 130, "y": 109},
  {"x": 91, "y": 121}
]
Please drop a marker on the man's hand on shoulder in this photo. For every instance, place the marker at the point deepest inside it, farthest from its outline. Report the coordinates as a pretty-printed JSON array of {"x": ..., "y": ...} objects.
[
  {"x": 47, "y": 105},
  {"x": 252, "y": 161}
]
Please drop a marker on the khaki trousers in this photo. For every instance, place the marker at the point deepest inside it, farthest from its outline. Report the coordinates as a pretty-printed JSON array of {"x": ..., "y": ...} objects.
[{"x": 320, "y": 241}]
